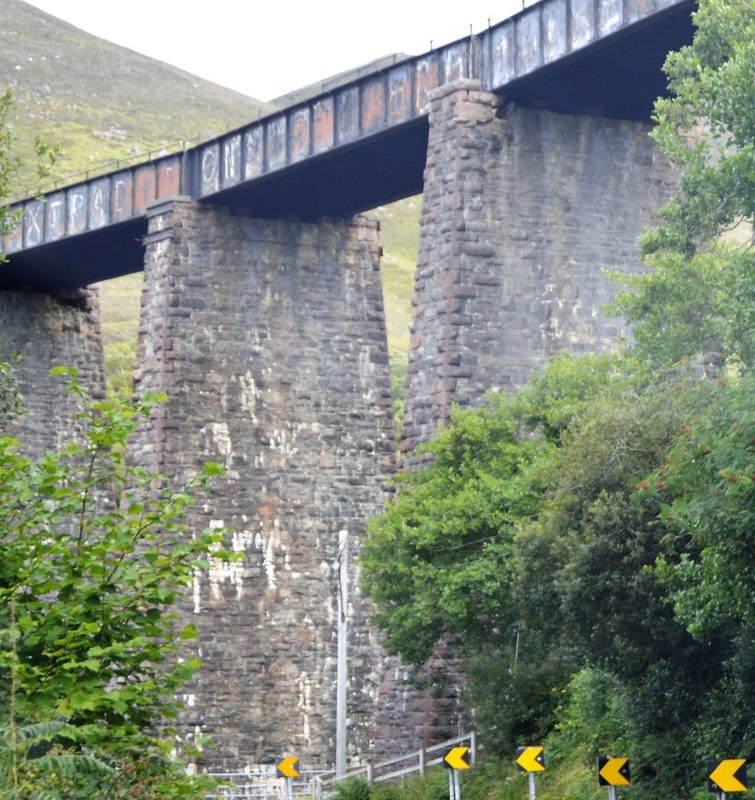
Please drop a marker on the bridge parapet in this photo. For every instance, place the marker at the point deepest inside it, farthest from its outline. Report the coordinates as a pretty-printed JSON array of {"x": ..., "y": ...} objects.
[
  {"x": 91, "y": 205},
  {"x": 334, "y": 119},
  {"x": 548, "y": 31}
]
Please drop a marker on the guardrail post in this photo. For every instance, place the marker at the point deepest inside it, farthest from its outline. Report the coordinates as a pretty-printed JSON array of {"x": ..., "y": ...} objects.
[{"x": 422, "y": 761}]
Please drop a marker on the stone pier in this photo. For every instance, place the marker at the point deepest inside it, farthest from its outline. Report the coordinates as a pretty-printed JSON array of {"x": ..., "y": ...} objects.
[
  {"x": 47, "y": 331},
  {"x": 269, "y": 338},
  {"x": 524, "y": 212}
]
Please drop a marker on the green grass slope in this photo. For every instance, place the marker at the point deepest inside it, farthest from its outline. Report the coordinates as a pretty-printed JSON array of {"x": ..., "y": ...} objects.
[{"x": 99, "y": 101}]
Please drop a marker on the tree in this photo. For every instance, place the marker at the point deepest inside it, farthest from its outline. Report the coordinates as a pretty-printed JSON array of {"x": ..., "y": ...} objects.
[
  {"x": 443, "y": 541},
  {"x": 697, "y": 309},
  {"x": 447, "y": 535},
  {"x": 96, "y": 552},
  {"x": 608, "y": 527},
  {"x": 707, "y": 126},
  {"x": 699, "y": 303},
  {"x": 709, "y": 487},
  {"x": 444, "y": 559},
  {"x": 706, "y": 557},
  {"x": 699, "y": 300},
  {"x": 11, "y": 164}
]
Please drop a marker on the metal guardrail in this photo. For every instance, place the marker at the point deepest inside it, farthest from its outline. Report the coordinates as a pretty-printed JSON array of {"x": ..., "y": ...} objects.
[
  {"x": 47, "y": 186},
  {"x": 391, "y": 769},
  {"x": 265, "y": 784}
]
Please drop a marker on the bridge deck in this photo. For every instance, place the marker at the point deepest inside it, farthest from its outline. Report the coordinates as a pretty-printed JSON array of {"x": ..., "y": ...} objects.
[{"x": 359, "y": 145}]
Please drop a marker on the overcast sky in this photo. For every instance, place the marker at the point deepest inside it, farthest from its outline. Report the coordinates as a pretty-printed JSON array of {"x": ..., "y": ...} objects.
[{"x": 265, "y": 48}]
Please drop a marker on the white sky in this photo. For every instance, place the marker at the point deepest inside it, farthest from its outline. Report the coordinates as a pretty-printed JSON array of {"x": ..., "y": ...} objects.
[{"x": 265, "y": 48}]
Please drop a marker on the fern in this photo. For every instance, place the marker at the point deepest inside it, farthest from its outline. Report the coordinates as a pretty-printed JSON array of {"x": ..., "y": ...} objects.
[{"x": 23, "y": 774}]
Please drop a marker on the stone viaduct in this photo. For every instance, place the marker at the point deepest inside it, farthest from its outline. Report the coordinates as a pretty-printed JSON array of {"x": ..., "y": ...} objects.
[{"x": 262, "y": 319}]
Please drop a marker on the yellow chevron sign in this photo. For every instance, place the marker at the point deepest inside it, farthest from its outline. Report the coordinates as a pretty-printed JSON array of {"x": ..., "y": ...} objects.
[
  {"x": 613, "y": 771},
  {"x": 530, "y": 759},
  {"x": 288, "y": 767},
  {"x": 457, "y": 758},
  {"x": 728, "y": 775}
]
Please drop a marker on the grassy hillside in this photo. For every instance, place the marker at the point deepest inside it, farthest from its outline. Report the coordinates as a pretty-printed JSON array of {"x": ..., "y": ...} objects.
[
  {"x": 399, "y": 226},
  {"x": 100, "y": 103}
]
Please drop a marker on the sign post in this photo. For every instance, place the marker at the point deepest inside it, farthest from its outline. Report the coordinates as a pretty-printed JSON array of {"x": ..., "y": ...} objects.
[
  {"x": 288, "y": 768},
  {"x": 530, "y": 760},
  {"x": 727, "y": 775},
  {"x": 613, "y": 772},
  {"x": 457, "y": 758}
]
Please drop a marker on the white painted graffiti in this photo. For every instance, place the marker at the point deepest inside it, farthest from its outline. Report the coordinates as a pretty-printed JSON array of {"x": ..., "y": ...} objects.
[
  {"x": 232, "y": 161},
  {"x": 77, "y": 210},
  {"x": 55, "y": 219},
  {"x": 210, "y": 175},
  {"x": 33, "y": 222}
]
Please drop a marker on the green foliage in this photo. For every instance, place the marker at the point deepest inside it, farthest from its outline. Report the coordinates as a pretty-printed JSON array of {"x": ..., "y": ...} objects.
[
  {"x": 708, "y": 557},
  {"x": 448, "y": 535},
  {"x": 354, "y": 789},
  {"x": 611, "y": 609},
  {"x": 553, "y": 400},
  {"x": 544, "y": 535},
  {"x": 593, "y": 718},
  {"x": 445, "y": 559},
  {"x": 699, "y": 301},
  {"x": 437, "y": 561},
  {"x": 96, "y": 552},
  {"x": 699, "y": 304},
  {"x": 708, "y": 126},
  {"x": 699, "y": 307}
]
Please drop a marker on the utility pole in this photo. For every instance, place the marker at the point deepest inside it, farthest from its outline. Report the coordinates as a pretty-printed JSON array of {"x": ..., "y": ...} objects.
[{"x": 341, "y": 670}]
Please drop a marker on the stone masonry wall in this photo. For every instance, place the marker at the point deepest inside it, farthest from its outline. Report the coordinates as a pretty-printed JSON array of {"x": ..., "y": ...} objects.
[
  {"x": 269, "y": 337},
  {"x": 522, "y": 211},
  {"x": 50, "y": 331}
]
